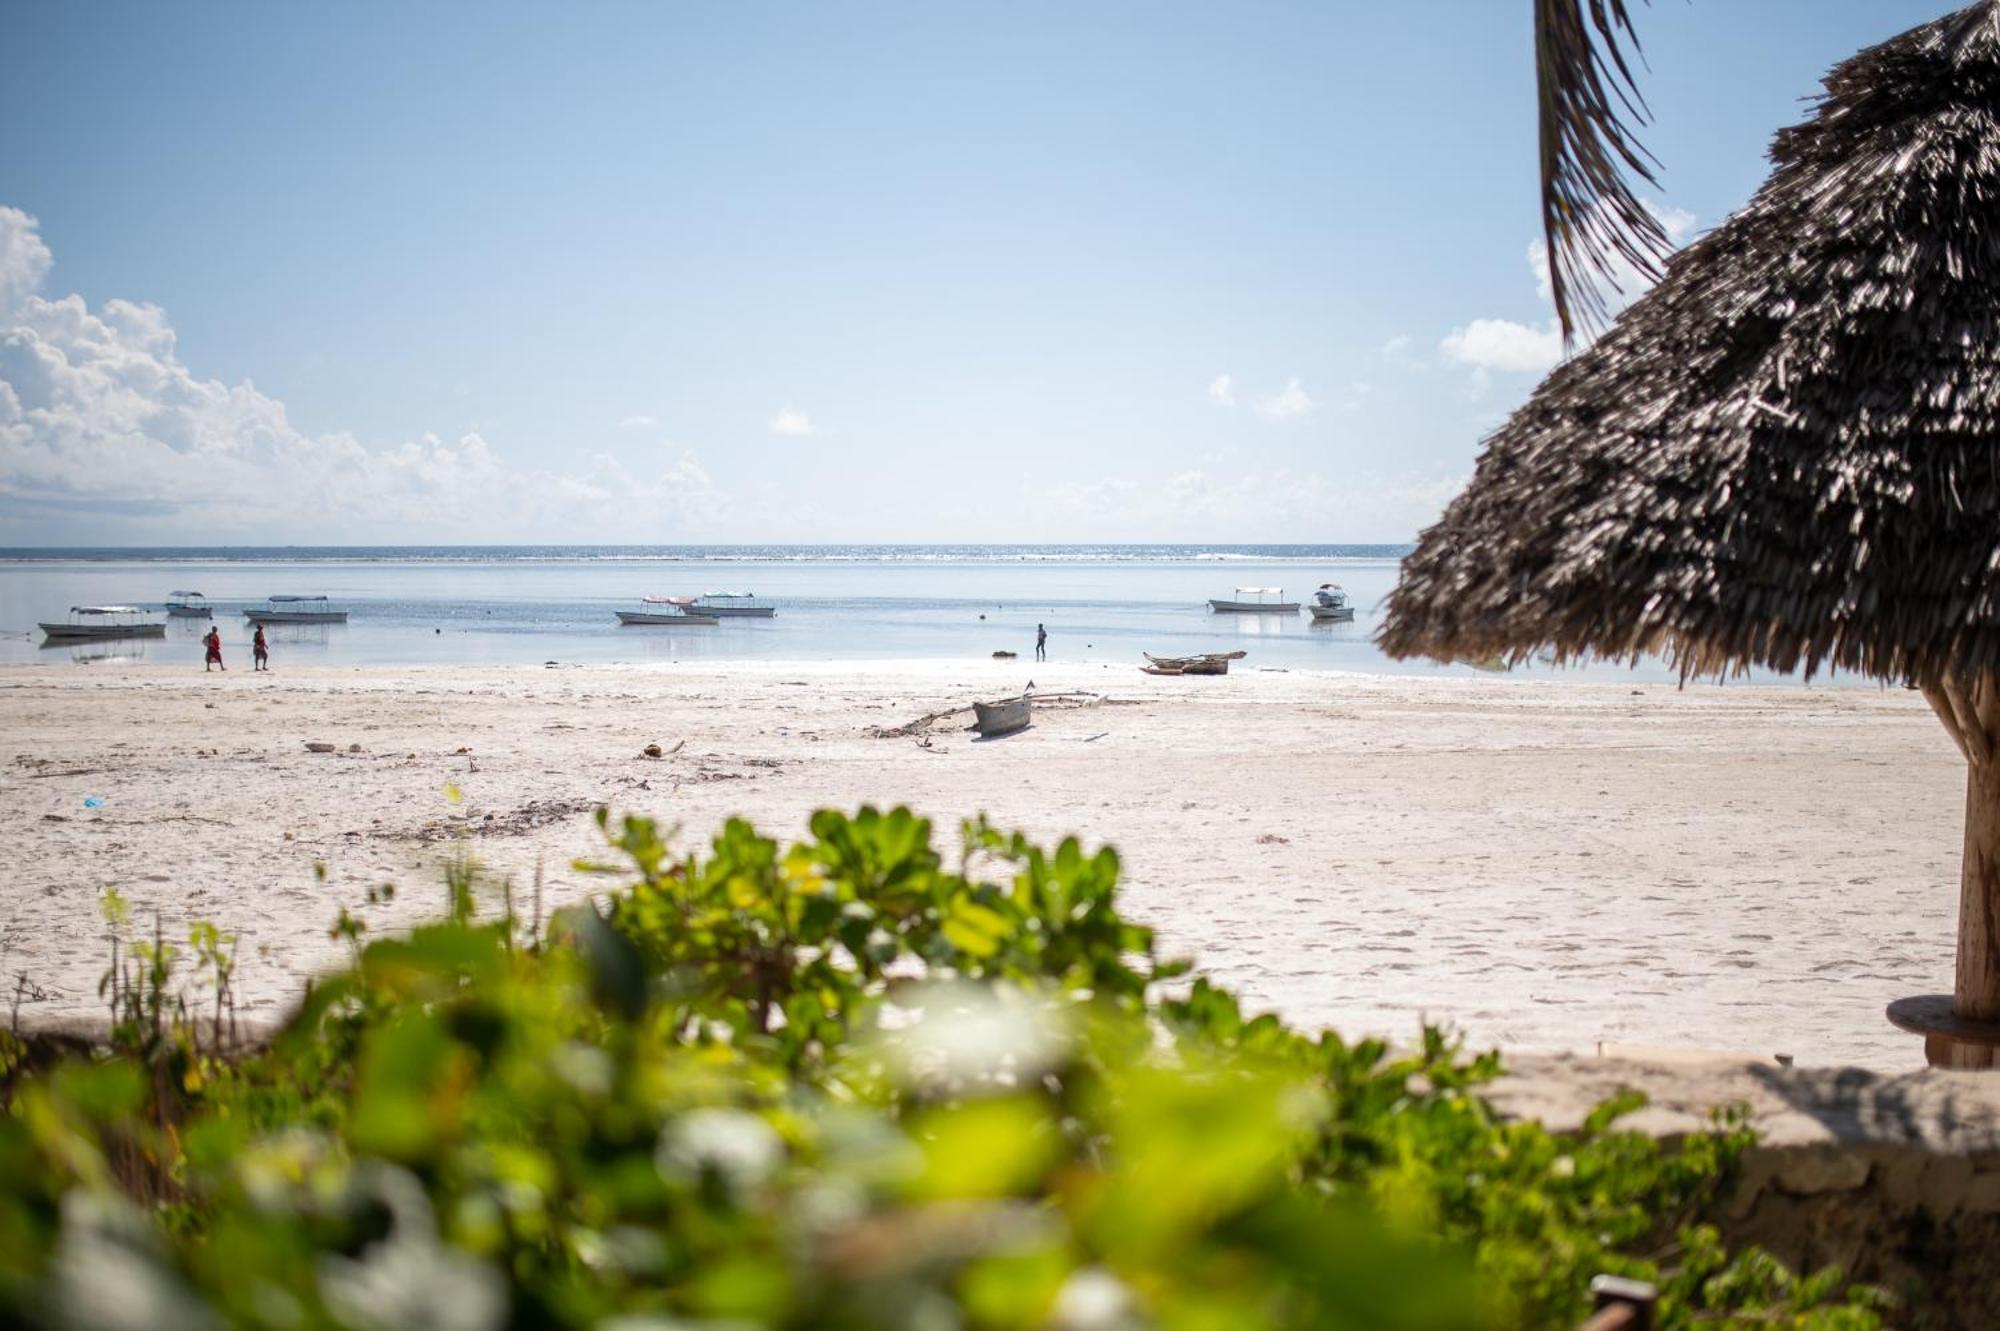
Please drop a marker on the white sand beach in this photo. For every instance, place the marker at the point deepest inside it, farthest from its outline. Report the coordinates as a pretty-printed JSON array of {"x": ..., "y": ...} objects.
[{"x": 1545, "y": 865}]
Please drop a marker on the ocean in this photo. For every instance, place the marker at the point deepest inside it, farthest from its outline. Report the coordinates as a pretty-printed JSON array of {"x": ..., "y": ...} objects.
[{"x": 533, "y": 604}]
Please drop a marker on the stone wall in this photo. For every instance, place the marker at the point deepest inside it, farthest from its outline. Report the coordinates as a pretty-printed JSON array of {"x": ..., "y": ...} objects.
[{"x": 1895, "y": 1178}]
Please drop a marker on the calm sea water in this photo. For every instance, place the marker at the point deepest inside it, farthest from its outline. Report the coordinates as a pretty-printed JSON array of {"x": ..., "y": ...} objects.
[{"x": 529, "y": 604}]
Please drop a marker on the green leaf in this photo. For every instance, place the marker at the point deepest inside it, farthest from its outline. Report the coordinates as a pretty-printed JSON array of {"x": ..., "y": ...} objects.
[{"x": 986, "y": 1148}]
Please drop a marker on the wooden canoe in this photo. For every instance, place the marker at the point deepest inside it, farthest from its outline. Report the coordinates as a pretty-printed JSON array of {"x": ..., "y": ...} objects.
[
  {"x": 1002, "y": 717},
  {"x": 1210, "y": 663}
]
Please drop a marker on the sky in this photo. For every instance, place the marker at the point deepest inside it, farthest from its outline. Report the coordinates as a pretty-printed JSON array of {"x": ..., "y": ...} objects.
[{"x": 773, "y": 272}]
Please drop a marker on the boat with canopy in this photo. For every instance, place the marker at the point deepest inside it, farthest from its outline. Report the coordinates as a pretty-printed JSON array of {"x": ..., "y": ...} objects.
[
  {"x": 666, "y": 610},
  {"x": 1330, "y": 605},
  {"x": 734, "y": 605},
  {"x": 105, "y": 621},
  {"x": 1257, "y": 601},
  {"x": 295, "y": 610},
  {"x": 188, "y": 605}
]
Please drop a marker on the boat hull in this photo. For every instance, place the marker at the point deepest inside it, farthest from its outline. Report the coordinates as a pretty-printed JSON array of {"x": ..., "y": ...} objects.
[
  {"x": 1003, "y": 717},
  {"x": 1213, "y": 663},
  {"x": 647, "y": 618},
  {"x": 738, "y": 611},
  {"x": 1331, "y": 614},
  {"x": 1254, "y": 607},
  {"x": 97, "y": 632},
  {"x": 190, "y": 612},
  {"x": 296, "y": 616}
]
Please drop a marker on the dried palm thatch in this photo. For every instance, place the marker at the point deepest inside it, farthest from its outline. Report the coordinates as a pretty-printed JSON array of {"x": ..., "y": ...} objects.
[{"x": 1788, "y": 453}]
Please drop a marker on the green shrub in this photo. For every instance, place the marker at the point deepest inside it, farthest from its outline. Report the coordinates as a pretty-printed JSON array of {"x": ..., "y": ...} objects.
[{"x": 836, "y": 1084}]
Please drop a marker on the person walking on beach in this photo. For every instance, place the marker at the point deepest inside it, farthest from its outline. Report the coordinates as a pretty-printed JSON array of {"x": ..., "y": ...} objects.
[
  {"x": 260, "y": 651},
  {"x": 214, "y": 658},
  {"x": 1041, "y": 643}
]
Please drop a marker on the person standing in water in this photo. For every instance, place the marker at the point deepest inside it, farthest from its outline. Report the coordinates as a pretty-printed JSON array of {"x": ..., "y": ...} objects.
[
  {"x": 1041, "y": 643},
  {"x": 213, "y": 660},
  {"x": 260, "y": 651}
]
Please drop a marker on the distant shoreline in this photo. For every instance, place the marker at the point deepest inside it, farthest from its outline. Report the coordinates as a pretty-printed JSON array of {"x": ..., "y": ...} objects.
[
  {"x": 861, "y": 552},
  {"x": 529, "y": 604}
]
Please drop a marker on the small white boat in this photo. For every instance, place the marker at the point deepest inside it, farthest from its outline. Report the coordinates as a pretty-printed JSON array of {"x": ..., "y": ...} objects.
[
  {"x": 1257, "y": 601},
  {"x": 665, "y": 610},
  {"x": 734, "y": 605},
  {"x": 295, "y": 610},
  {"x": 188, "y": 605},
  {"x": 88, "y": 622},
  {"x": 1330, "y": 605}
]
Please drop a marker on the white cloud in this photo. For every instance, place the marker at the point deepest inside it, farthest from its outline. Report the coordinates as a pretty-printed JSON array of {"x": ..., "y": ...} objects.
[
  {"x": 1353, "y": 396},
  {"x": 638, "y": 422},
  {"x": 101, "y": 423},
  {"x": 1222, "y": 391},
  {"x": 24, "y": 261},
  {"x": 1291, "y": 403},
  {"x": 1502, "y": 344},
  {"x": 790, "y": 420},
  {"x": 1400, "y": 352},
  {"x": 1508, "y": 346}
]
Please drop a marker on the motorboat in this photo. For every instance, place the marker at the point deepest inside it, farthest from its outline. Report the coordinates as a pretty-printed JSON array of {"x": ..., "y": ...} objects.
[
  {"x": 734, "y": 605},
  {"x": 666, "y": 610},
  {"x": 88, "y": 622},
  {"x": 188, "y": 605},
  {"x": 295, "y": 610},
  {"x": 1330, "y": 605},
  {"x": 1256, "y": 601}
]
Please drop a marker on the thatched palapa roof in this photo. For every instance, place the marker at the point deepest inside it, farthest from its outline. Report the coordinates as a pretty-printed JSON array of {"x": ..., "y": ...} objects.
[{"x": 1788, "y": 452}]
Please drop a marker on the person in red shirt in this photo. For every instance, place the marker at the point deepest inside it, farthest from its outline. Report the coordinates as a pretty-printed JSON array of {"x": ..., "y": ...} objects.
[
  {"x": 214, "y": 644},
  {"x": 260, "y": 651}
]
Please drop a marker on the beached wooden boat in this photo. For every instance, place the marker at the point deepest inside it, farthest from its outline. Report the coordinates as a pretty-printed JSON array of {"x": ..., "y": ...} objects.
[
  {"x": 88, "y": 622},
  {"x": 1236, "y": 655},
  {"x": 657, "y": 611},
  {"x": 1209, "y": 663},
  {"x": 1002, "y": 717}
]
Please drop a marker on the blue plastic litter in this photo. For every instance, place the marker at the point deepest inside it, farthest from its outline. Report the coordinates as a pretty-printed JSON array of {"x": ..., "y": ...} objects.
[{"x": 93, "y": 801}]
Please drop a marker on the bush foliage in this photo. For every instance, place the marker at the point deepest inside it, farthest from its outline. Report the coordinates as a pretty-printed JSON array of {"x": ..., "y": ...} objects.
[{"x": 831, "y": 1084}]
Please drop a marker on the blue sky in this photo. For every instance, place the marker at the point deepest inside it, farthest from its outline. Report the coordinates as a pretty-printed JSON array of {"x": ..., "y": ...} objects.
[{"x": 708, "y": 272}]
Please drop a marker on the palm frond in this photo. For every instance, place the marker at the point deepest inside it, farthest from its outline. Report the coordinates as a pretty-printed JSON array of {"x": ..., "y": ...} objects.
[{"x": 1590, "y": 110}]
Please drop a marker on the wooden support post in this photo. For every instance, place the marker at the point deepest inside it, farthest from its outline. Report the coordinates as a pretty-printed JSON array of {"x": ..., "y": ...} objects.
[
  {"x": 1963, "y": 1030},
  {"x": 1976, "y": 994}
]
